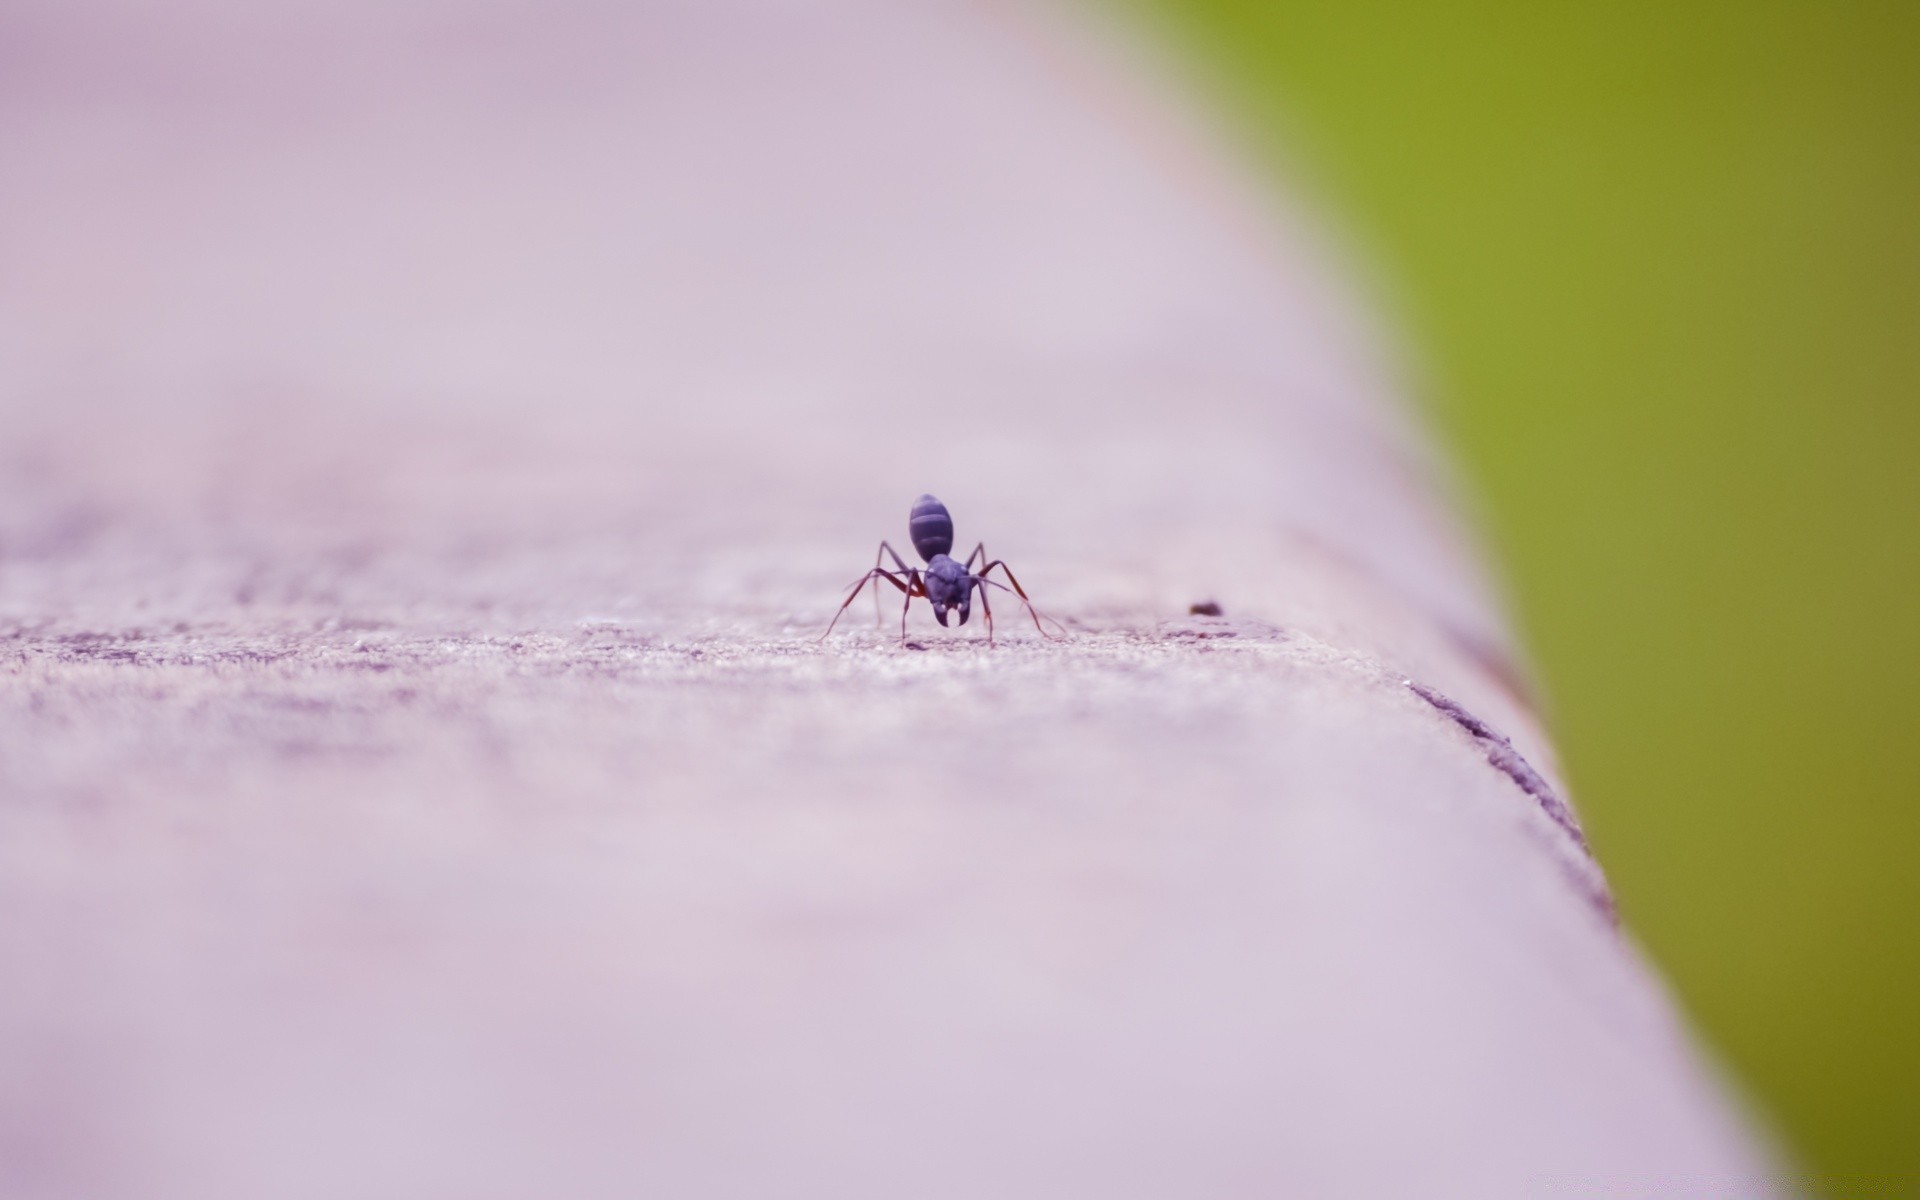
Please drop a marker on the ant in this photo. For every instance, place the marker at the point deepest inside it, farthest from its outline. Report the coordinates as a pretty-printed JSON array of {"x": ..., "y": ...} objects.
[{"x": 944, "y": 582}]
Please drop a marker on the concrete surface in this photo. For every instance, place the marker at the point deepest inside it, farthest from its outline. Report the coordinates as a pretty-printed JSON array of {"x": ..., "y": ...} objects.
[{"x": 434, "y": 435}]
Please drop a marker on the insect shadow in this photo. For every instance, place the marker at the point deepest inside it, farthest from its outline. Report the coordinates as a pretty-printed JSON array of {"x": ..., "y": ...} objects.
[{"x": 945, "y": 583}]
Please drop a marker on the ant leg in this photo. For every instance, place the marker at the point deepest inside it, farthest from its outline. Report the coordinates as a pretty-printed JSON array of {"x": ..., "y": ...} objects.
[
  {"x": 986, "y": 608},
  {"x": 918, "y": 588},
  {"x": 1022, "y": 593},
  {"x": 986, "y": 583},
  {"x": 897, "y": 560},
  {"x": 979, "y": 555},
  {"x": 853, "y": 595},
  {"x": 884, "y": 551},
  {"x": 1033, "y": 612},
  {"x": 1002, "y": 564},
  {"x": 912, "y": 587}
]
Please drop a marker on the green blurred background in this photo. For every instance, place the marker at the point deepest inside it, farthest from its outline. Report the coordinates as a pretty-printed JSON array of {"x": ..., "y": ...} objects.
[{"x": 1662, "y": 261}]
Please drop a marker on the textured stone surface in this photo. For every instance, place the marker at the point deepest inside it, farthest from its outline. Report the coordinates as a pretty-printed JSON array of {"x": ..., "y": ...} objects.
[{"x": 434, "y": 436}]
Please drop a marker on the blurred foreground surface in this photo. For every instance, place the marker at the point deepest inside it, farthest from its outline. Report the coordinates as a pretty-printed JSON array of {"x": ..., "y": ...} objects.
[
  {"x": 433, "y": 441},
  {"x": 1667, "y": 263}
]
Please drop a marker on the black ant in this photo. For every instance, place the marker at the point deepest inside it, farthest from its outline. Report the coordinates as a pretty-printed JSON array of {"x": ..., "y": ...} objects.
[{"x": 945, "y": 583}]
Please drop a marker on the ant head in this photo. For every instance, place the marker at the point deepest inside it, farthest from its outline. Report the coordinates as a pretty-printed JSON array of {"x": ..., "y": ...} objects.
[
  {"x": 963, "y": 608},
  {"x": 948, "y": 588}
]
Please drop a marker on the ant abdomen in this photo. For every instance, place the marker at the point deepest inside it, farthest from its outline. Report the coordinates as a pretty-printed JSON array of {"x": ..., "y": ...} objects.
[{"x": 930, "y": 528}]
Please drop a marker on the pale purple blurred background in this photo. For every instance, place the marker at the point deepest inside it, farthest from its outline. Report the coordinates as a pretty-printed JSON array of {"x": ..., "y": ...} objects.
[{"x": 434, "y": 434}]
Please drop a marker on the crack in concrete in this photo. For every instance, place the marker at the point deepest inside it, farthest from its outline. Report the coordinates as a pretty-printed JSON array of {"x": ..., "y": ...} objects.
[{"x": 1500, "y": 753}]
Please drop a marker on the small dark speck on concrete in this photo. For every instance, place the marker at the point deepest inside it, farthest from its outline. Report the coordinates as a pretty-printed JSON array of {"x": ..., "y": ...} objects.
[
  {"x": 1204, "y": 608},
  {"x": 914, "y": 645}
]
